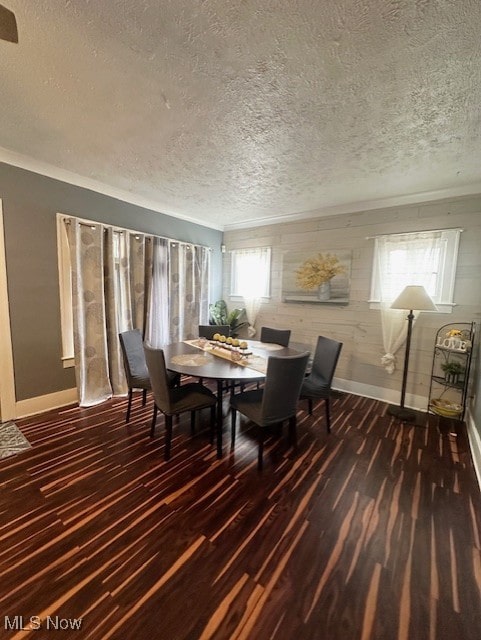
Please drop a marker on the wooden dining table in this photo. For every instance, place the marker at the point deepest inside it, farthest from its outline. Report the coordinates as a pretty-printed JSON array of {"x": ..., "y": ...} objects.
[{"x": 214, "y": 363}]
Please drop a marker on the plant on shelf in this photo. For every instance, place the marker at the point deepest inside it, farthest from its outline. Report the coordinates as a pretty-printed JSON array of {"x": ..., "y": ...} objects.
[
  {"x": 452, "y": 370},
  {"x": 219, "y": 314},
  {"x": 453, "y": 333}
]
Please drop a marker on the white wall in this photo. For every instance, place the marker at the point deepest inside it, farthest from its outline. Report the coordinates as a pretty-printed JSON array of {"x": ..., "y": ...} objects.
[{"x": 356, "y": 325}]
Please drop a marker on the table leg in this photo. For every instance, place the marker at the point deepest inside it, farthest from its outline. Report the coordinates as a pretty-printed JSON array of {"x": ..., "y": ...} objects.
[{"x": 220, "y": 384}]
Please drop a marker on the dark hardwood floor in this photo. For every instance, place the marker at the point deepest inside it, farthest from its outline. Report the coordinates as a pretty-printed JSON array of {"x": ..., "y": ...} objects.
[{"x": 370, "y": 533}]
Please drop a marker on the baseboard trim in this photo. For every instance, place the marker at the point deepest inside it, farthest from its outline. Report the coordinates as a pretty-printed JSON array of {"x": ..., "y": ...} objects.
[
  {"x": 419, "y": 403},
  {"x": 474, "y": 444},
  {"x": 40, "y": 404}
]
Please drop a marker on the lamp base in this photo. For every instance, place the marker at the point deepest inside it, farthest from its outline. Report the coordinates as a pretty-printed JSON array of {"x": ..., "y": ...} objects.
[{"x": 406, "y": 415}]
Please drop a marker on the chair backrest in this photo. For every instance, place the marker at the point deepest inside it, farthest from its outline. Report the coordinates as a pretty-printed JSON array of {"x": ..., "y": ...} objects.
[
  {"x": 158, "y": 378},
  {"x": 284, "y": 377},
  {"x": 325, "y": 359},
  {"x": 278, "y": 336},
  {"x": 208, "y": 330},
  {"x": 132, "y": 347}
]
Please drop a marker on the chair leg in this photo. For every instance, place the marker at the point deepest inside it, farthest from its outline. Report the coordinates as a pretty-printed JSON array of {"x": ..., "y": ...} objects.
[
  {"x": 293, "y": 432},
  {"x": 154, "y": 419},
  {"x": 260, "y": 453},
  {"x": 192, "y": 423},
  {"x": 129, "y": 406},
  {"x": 212, "y": 423},
  {"x": 233, "y": 416},
  {"x": 309, "y": 402},
  {"x": 328, "y": 415},
  {"x": 168, "y": 436},
  {"x": 144, "y": 397}
]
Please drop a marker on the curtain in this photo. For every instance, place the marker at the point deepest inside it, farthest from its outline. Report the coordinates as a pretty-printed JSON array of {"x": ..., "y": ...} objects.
[
  {"x": 118, "y": 302},
  {"x": 110, "y": 272},
  {"x": 252, "y": 274},
  {"x": 157, "y": 326},
  {"x": 140, "y": 270},
  {"x": 123, "y": 280},
  {"x": 188, "y": 290},
  {"x": 88, "y": 301},
  {"x": 402, "y": 260}
]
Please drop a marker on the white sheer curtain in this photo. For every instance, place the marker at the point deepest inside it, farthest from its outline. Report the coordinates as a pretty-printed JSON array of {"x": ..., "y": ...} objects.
[
  {"x": 403, "y": 259},
  {"x": 157, "y": 331},
  {"x": 251, "y": 274}
]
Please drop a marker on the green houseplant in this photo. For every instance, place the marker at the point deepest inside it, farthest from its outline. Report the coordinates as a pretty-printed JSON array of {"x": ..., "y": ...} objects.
[
  {"x": 452, "y": 370},
  {"x": 219, "y": 314}
]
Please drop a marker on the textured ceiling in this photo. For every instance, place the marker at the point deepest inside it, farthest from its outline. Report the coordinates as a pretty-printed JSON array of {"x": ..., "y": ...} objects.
[{"x": 234, "y": 111}]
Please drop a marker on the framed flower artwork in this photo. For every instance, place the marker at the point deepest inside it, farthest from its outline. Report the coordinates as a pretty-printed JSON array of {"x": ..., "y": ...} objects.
[{"x": 317, "y": 276}]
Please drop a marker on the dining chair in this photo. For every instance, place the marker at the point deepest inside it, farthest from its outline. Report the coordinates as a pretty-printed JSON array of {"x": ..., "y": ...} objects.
[
  {"x": 317, "y": 385},
  {"x": 136, "y": 373},
  {"x": 172, "y": 401},
  {"x": 209, "y": 330},
  {"x": 275, "y": 402},
  {"x": 278, "y": 336}
]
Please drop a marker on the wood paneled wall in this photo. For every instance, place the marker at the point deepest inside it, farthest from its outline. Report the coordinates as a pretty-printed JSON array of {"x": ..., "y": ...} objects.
[{"x": 356, "y": 325}]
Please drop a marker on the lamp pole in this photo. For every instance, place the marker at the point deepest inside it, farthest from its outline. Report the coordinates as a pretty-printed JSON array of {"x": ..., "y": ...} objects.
[
  {"x": 412, "y": 297},
  {"x": 409, "y": 415},
  {"x": 401, "y": 412}
]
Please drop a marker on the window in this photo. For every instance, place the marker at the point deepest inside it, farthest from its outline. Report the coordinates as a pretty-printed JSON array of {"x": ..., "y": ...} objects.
[
  {"x": 426, "y": 258},
  {"x": 250, "y": 272}
]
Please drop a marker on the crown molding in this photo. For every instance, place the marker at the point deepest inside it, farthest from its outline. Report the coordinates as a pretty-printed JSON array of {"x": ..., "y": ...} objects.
[
  {"x": 366, "y": 205},
  {"x": 50, "y": 171}
]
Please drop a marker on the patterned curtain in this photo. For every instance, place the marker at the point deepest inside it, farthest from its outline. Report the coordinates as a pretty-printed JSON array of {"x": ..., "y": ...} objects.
[
  {"x": 88, "y": 299},
  {"x": 123, "y": 280},
  {"x": 188, "y": 290},
  {"x": 118, "y": 305},
  {"x": 140, "y": 272}
]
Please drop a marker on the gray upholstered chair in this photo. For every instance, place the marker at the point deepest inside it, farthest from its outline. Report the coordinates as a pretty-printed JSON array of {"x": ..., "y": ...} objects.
[
  {"x": 317, "y": 385},
  {"x": 136, "y": 372},
  {"x": 278, "y": 336},
  {"x": 276, "y": 401},
  {"x": 174, "y": 400},
  {"x": 208, "y": 330}
]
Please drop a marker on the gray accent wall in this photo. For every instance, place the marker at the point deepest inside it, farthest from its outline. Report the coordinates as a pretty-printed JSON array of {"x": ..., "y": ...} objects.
[{"x": 30, "y": 204}]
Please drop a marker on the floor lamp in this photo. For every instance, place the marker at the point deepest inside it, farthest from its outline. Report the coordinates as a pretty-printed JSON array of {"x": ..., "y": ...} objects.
[{"x": 411, "y": 297}]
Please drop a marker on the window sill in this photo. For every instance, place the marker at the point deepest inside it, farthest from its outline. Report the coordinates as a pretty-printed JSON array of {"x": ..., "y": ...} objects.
[
  {"x": 67, "y": 363},
  {"x": 442, "y": 307},
  {"x": 236, "y": 297}
]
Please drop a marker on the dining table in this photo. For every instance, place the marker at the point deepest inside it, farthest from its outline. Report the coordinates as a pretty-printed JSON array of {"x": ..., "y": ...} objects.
[{"x": 211, "y": 361}]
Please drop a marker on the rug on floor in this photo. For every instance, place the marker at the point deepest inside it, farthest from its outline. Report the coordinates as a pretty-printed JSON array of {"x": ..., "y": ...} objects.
[{"x": 12, "y": 440}]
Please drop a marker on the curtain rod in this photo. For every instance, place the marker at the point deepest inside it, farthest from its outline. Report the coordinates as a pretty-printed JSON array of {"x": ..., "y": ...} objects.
[
  {"x": 92, "y": 224},
  {"x": 406, "y": 233}
]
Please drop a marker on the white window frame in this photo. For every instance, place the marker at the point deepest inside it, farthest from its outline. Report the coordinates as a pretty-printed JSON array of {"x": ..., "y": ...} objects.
[
  {"x": 234, "y": 254},
  {"x": 65, "y": 293},
  {"x": 446, "y": 275}
]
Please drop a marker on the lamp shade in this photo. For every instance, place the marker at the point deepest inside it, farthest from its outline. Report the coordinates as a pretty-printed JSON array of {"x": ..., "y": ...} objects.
[{"x": 414, "y": 297}]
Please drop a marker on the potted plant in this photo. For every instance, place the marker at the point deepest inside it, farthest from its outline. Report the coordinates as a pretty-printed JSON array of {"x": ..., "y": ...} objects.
[
  {"x": 219, "y": 314},
  {"x": 452, "y": 370}
]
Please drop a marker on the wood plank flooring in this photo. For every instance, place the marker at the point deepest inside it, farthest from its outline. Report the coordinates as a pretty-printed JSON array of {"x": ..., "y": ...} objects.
[{"x": 371, "y": 533}]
